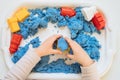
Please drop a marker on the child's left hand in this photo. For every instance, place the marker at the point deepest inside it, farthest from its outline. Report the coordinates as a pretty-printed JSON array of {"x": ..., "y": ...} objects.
[{"x": 46, "y": 47}]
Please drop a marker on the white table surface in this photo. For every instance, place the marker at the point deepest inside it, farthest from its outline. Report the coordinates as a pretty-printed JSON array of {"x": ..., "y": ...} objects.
[{"x": 112, "y": 6}]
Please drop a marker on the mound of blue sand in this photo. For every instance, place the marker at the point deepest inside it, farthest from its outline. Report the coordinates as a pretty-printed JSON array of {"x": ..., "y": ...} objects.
[{"x": 62, "y": 44}]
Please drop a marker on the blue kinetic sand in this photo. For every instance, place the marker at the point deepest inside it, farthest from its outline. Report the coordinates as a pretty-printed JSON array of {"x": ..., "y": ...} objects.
[
  {"x": 39, "y": 18},
  {"x": 35, "y": 42},
  {"x": 58, "y": 66},
  {"x": 62, "y": 44},
  {"x": 89, "y": 44},
  {"x": 20, "y": 53},
  {"x": 80, "y": 30}
]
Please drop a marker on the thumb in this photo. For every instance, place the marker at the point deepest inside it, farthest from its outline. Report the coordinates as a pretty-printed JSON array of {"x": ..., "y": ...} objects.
[
  {"x": 70, "y": 56},
  {"x": 56, "y": 52}
]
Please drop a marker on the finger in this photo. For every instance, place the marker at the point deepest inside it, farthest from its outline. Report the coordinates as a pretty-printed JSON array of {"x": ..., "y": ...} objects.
[
  {"x": 55, "y": 37},
  {"x": 70, "y": 56},
  {"x": 56, "y": 52},
  {"x": 70, "y": 42}
]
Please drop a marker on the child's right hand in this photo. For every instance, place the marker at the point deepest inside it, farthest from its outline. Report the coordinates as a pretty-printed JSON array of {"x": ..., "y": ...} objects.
[
  {"x": 79, "y": 54},
  {"x": 46, "y": 47}
]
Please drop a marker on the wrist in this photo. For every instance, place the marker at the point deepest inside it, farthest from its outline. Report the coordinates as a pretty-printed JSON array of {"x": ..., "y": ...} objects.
[
  {"x": 87, "y": 62},
  {"x": 38, "y": 52}
]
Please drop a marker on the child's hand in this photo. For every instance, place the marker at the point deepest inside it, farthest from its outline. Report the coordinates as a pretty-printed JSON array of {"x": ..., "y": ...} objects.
[
  {"x": 79, "y": 54},
  {"x": 46, "y": 47}
]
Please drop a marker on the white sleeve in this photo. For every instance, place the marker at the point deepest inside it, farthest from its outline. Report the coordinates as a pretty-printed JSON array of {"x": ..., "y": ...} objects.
[
  {"x": 90, "y": 72},
  {"x": 23, "y": 67}
]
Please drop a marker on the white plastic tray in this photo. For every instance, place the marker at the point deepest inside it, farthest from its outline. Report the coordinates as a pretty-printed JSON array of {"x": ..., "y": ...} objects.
[{"x": 106, "y": 51}]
